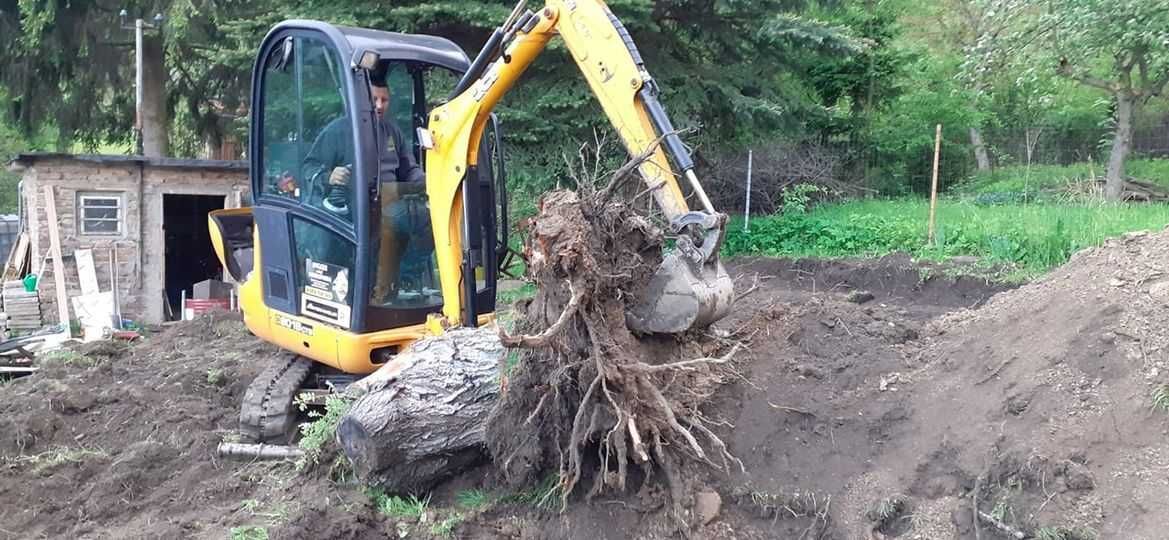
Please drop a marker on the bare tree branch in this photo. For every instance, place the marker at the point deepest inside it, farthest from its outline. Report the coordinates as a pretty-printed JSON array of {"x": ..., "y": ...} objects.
[{"x": 1065, "y": 70}]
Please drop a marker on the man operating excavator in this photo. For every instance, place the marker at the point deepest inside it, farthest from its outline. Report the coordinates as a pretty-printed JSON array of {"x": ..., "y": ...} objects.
[{"x": 405, "y": 219}]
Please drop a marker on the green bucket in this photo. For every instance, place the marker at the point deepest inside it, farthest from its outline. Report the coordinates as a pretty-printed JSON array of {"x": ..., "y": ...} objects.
[{"x": 30, "y": 283}]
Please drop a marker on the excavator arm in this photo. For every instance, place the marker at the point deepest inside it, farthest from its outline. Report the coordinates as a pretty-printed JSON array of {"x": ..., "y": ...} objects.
[{"x": 691, "y": 288}]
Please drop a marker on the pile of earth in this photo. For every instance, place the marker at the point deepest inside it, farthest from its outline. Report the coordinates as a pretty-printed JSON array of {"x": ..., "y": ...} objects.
[{"x": 117, "y": 440}]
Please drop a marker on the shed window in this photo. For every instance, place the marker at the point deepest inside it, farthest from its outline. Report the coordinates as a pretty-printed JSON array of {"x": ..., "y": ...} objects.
[{"x": 100, "y": 213}]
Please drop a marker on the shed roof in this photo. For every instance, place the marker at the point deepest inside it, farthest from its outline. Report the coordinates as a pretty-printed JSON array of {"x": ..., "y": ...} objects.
[{"x": 30, "y": 158}]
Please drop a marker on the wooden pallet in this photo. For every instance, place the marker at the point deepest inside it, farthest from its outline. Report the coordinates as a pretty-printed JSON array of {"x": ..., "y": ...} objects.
[{"x": 22, "y": 307}]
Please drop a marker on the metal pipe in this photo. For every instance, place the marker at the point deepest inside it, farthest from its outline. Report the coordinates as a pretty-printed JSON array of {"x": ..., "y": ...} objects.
[
  {"x": 258, "y": 451},
  {"x": 699, "y": 191},
  {"x": 747, "y": 207},
  {"x": 139, "y": 76}
]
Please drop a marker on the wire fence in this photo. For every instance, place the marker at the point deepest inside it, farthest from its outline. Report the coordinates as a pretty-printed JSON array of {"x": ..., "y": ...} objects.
[{"x": 846, "y": 168}]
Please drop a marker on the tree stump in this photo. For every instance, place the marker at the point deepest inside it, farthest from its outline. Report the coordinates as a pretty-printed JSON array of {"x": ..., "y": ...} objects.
[{"x": 421, "y": 417}]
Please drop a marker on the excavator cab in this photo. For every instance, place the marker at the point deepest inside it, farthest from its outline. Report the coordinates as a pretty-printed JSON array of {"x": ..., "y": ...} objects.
[{"x": 340, "y": 238}]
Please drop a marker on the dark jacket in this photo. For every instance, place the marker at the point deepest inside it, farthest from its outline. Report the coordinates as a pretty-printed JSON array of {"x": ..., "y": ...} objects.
[{"x": 333, "y": 148}]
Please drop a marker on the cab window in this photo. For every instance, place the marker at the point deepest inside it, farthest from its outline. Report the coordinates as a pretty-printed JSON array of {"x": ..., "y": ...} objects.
[{"x": 308, "y": 145}]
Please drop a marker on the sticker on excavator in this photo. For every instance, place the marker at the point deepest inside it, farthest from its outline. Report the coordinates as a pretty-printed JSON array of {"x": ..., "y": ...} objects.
[
  {"x": 324, "y": 296},
  {"x": 294, "y": 325}
]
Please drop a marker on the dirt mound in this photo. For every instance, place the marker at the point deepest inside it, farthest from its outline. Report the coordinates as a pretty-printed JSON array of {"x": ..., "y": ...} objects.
[
  {"x": 1039, "y": 404},
  {"x": 116, "y": 440}
]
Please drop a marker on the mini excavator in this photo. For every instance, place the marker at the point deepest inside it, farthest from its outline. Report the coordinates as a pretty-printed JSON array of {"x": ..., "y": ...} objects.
[{"x": 343, "y": 270}]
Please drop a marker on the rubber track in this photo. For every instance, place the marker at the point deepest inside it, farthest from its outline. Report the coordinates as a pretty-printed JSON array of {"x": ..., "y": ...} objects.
[{"x": 268, "y": 414}]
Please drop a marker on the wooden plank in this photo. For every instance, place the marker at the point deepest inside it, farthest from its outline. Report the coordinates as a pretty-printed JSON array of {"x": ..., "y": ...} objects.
[
  {"x": 17, "y": 257},
  {"x": 58, "y": 264},
  {"x": 86, "y": 272}
]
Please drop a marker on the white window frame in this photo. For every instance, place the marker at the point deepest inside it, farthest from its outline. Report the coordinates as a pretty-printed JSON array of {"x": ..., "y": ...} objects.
[{"x": 120, "y": 207}]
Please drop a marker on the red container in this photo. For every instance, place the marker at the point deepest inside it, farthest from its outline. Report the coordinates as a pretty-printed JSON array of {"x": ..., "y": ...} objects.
[{"x": 194, "y": 307}]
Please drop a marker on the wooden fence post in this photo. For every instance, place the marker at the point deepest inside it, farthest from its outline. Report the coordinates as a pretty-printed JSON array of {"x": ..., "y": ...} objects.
[{"x": 934, "y": 182}]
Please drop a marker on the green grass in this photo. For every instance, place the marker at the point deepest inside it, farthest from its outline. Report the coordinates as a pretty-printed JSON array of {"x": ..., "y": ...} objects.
[
  {"x": 318, "y": 434},
  {"x": 249, "y": 533},
  {"x": 1161, "y": 398},
  {"x": 44, "y": 461},
  {"x": 446, "y": 526},
  {"x": 398, "y": 507},
  {"x": 544, "y": 496},
  {"x": 474, "y": 499},
  {"x": 68, "y": 358},
  {"x": 1032, "y": 237},
  {"x": 1063, "y": 533},
  {"x": 1013, "y": 181}
]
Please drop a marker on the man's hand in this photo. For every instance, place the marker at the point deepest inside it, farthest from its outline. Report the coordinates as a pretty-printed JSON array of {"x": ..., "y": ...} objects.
[{"x": 339, "y": 176}]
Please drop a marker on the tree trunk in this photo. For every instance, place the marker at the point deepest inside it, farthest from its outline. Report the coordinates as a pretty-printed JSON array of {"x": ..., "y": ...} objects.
[
  {"x": 422, "y": 416},
  {"x": 980, "y": 153},
  {"x": 1121, "y": 145},
  {"x": 155, "y": 124}
]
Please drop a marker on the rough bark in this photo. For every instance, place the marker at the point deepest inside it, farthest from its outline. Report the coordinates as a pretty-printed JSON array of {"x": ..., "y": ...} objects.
[
  {"x": 155, "y": 122},
  {"x": 1121, "y": 146},
  {"x": 421, "y": 417},
  {"x": 980, "y": 153}
]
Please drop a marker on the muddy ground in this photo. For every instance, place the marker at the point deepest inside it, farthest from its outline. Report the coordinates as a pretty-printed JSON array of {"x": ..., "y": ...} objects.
[{"x": 889, "y": 417}]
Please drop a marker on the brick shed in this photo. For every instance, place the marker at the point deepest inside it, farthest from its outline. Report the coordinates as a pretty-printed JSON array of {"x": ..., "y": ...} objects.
[{"x": 148, "y": 214}]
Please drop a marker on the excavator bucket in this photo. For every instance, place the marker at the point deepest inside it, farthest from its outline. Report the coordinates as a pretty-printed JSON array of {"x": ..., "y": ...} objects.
[{"x": 683, "y": 295}]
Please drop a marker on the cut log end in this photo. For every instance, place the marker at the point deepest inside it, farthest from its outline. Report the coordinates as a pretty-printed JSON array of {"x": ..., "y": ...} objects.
[{"x": 419, "y": 419}]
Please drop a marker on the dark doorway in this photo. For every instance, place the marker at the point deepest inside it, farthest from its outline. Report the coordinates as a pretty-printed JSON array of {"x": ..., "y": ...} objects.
[{"x": 189, "y": 256}]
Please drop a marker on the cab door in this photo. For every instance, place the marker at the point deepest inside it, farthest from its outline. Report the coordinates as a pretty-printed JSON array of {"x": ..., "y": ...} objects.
[{"x": 311, "y": 168}]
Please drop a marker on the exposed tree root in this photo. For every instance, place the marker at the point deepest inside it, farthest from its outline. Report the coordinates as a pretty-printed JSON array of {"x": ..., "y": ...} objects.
[{"x": 588, "y": 397}]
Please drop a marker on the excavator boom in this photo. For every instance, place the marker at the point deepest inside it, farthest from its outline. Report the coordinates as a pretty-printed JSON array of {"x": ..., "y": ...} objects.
[{"x": 691, "y": 288}]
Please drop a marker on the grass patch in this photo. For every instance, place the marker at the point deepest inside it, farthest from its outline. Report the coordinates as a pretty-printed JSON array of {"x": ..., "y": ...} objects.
[
  {"x": 446, "y": 527},
  {"x": 275, "y": 514},
  {"x": 215, "y": 377},
  {"x": 474, "y": 499},
  {"x": 250, "y": 532},
  {"x": 1161, "y": 398},
  {"x": 1031, "y": 237},
  {"x": 543, "y": 496},
  {"x": 1063, "y": 533},
  {"x": 44, "y": 461},
  {"x": 316, "y": 435},
  {"x": 66, "y": 357},
  {"x": 397, "y": 507}
]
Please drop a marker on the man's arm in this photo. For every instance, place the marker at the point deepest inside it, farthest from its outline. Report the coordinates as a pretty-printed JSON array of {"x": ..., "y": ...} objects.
[{"x": 329, "y": 152}]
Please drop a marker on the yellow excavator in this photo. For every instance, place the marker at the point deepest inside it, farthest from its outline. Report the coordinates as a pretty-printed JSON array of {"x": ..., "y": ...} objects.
[{"x": 343, "y": 262}]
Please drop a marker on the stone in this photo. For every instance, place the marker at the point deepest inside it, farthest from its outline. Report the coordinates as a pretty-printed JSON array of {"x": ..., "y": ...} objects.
[
  {"x": 707, "y": 505},
  {"x": 1160, "y": 291},
  {"x": 859, "y": 297},
  {"x": 1079, "y": 478}
]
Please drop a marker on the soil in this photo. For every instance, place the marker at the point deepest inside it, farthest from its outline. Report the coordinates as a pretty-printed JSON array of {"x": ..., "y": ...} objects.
[{"x": 855, "y": 417}]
